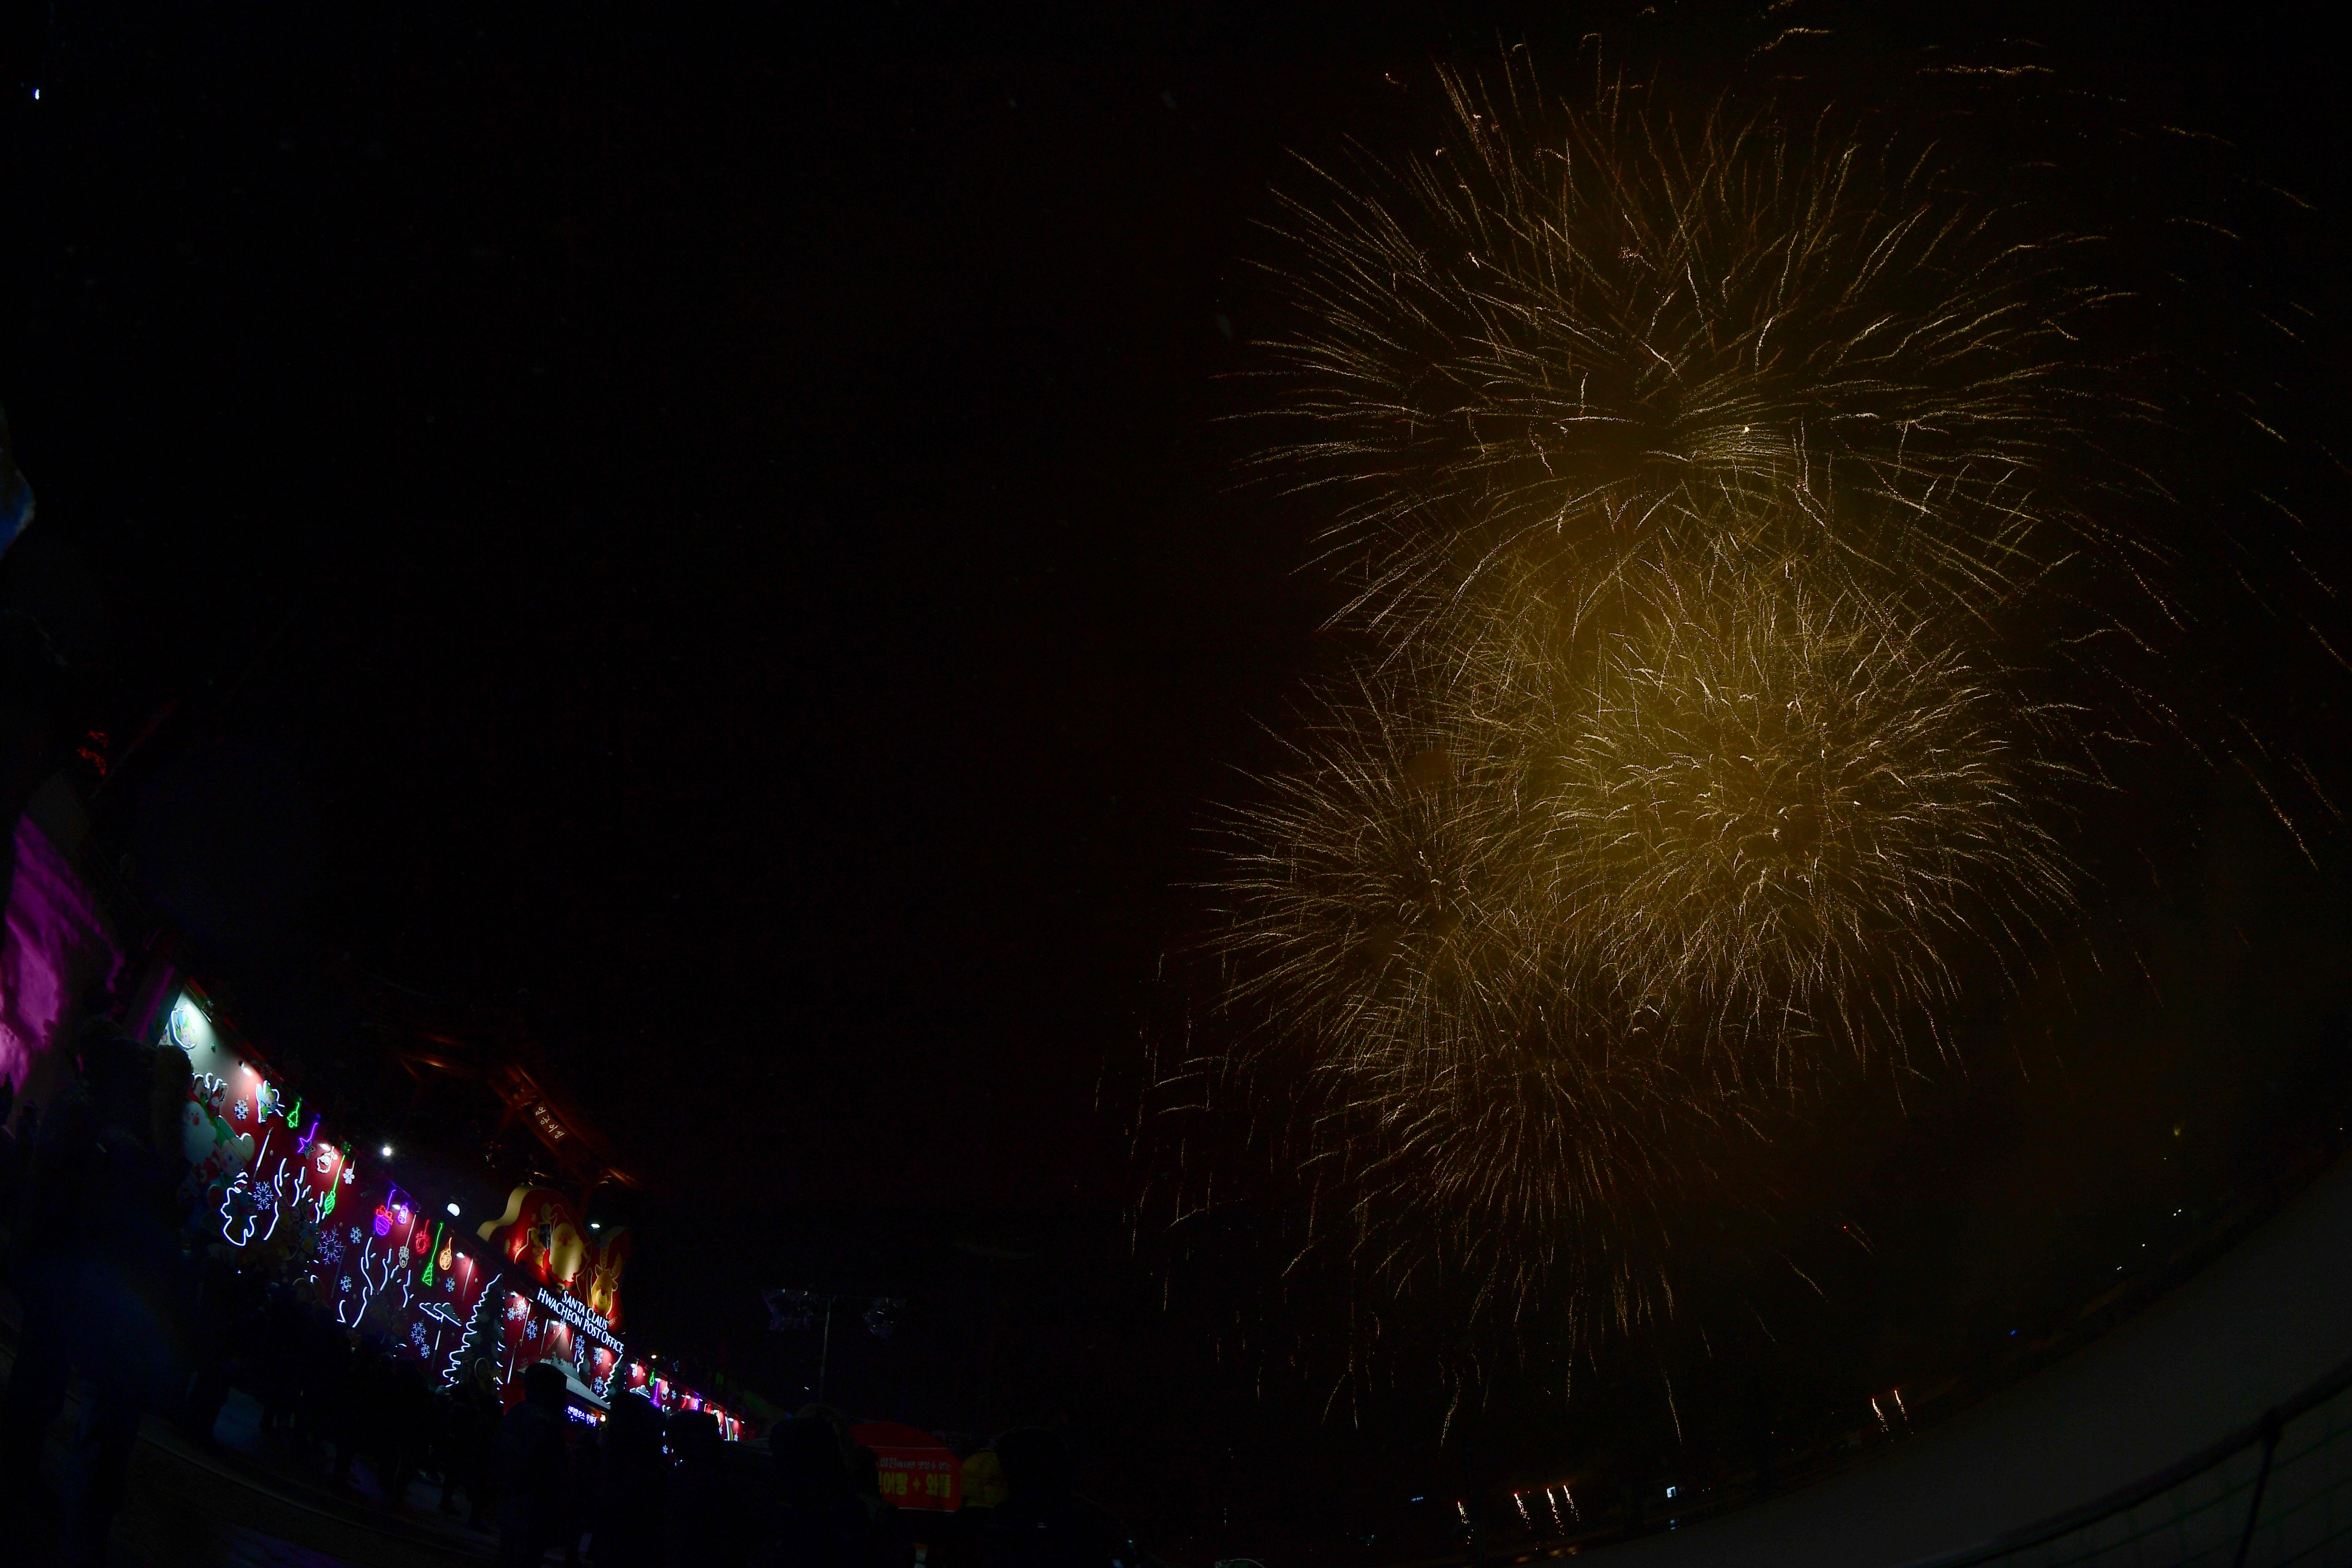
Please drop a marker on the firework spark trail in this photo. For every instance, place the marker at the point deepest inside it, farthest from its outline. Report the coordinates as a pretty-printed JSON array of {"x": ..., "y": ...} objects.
[
  {"x": 1663, "y": 449},
  {"x": 1386, "y": 903},
  {"x": 1534, "y": 903},
  {"x": 1531, "y": 349},
  {"x": 1721, "y": 499},
  {"x": 1783, "y": 816}
]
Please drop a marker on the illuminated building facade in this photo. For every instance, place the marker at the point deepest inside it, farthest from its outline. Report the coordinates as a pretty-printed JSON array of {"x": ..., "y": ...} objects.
[{"x": 398, "y": 1264}]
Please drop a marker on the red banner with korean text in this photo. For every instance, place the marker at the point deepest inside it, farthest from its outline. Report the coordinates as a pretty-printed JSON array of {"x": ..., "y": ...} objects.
[{"x": 917, "y": 1470}]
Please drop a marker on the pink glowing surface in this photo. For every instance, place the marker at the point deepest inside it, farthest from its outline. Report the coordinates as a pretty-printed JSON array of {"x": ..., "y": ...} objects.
[{"x": 57, "y": 945}]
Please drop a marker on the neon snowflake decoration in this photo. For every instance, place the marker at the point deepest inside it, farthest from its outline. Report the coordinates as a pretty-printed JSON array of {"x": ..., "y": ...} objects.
[{"x": 243, "y": 1207}]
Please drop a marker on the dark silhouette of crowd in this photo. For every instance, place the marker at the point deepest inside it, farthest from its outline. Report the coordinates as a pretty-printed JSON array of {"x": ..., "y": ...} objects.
[
  {"x": 650, "y": 1492},
  {"x": 94, "y": 1263},
  {"x": 646, "y": 1491},
  {"x": 123, "y": 1287}
]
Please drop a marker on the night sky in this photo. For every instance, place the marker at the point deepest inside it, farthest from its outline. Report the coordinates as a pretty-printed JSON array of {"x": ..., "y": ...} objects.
[{"x": 729, "y": 541}]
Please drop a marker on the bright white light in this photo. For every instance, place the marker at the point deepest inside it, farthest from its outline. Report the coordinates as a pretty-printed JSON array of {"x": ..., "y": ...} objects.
[
  {"x": 387, "y": 1150},
  {"x": 453, "y": 1211},
  {"x": 190, "y": 1029},
  {"x": 595, "y": 1224}
]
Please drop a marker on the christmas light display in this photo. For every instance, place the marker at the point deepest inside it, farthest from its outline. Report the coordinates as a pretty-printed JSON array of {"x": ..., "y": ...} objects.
[
  {"x": 479, "y": 1341},
  {"x": 384, "y": 1269}
]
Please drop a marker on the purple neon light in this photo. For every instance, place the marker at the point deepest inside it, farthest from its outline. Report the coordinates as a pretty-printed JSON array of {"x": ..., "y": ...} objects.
[{"x": 57, "y": 945}]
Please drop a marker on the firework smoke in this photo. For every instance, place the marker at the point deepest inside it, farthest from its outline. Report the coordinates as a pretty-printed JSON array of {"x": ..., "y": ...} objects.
[
  {"x": 1535, "y": 906},
  {"x": 1390, "y": 907},
  {"x": 1749, "y": 556},
  {"x": 1783, "y": 817}
]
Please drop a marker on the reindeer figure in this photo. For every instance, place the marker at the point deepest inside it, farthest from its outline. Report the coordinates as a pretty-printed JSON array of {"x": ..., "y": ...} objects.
[{"x": 605, "y": 1266}]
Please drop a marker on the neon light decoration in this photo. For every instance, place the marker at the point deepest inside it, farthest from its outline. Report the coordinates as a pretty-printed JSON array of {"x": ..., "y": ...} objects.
[
  {"x": 577, "y": 1314},
  {"x": 477, "y": 1341},
  {"x": 245, "y": 1206},
  {"x": 389, "y": 1271},
  {"x": 376, "y": 1275},
  {"x": 394, "y": 1213}
]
